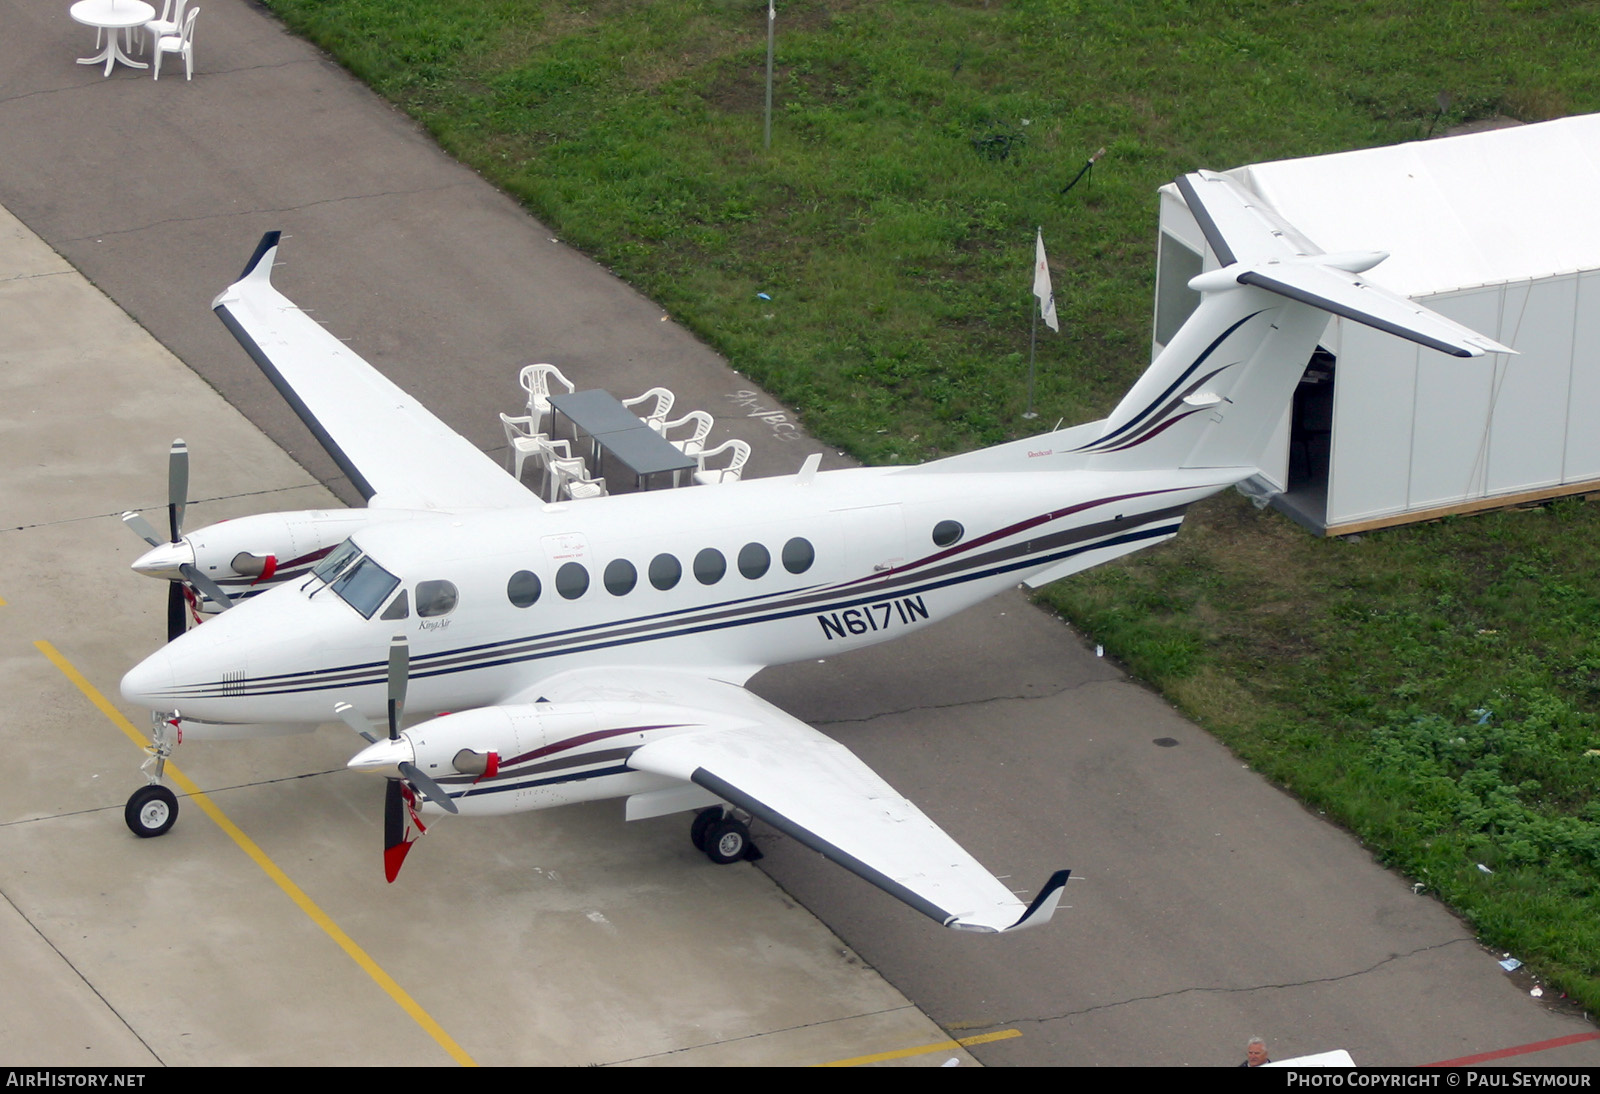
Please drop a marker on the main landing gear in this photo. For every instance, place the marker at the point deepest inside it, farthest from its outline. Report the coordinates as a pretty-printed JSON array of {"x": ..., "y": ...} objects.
[
  {"x": 722, "y": 836},
  {"x": 153, "y": 809}
]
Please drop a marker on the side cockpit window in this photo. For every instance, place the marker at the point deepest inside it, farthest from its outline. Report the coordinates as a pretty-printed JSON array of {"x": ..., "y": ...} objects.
[
  {"x": 399, "y": 607},
  {"x": 436, "y": 598}
]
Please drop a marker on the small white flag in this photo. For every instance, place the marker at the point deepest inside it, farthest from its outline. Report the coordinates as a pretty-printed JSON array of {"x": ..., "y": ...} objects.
[{"x": 1041, "y": 287}]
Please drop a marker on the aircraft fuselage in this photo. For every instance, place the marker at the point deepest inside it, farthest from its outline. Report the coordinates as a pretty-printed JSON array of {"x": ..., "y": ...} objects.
[{"x": 723, "y": 580}]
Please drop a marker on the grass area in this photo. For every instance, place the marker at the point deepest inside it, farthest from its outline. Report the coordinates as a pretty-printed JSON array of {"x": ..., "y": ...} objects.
[{"x": 1433, "y": 688}]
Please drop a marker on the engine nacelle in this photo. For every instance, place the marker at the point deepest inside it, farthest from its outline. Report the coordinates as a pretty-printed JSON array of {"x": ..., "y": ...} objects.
[
  {"x": 522, "y": 734},
  {"x": 251, "y": 554},
  {"x": 532, "y": 755}
]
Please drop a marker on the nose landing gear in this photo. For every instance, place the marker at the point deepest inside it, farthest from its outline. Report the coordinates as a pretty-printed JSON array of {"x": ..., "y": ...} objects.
[{"x": 152, "y": 809}]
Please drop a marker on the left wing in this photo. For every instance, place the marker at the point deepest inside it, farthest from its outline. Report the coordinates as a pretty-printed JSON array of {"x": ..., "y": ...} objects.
[
  {"x": 817, "y": 792},
  {"x": 393, "y": 449}
]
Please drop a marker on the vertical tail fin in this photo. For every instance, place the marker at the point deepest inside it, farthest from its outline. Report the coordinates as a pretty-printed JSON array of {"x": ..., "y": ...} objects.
[{"x": 1214, "y": 395}]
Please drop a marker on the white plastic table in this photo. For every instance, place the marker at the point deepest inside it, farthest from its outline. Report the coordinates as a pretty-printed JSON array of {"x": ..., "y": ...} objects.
[{"x": 112, "y": 16}]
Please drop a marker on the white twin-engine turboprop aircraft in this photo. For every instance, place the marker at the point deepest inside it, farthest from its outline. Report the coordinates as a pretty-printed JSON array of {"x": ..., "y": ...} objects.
[{"x": 600, "y": 648}]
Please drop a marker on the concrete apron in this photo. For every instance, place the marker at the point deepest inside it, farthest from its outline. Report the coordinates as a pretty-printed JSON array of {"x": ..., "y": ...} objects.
[{"x": 566, "y": 937}]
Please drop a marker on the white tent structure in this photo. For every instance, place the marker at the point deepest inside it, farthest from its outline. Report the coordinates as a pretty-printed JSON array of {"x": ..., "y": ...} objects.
[{"x": 1498, "y": 230}]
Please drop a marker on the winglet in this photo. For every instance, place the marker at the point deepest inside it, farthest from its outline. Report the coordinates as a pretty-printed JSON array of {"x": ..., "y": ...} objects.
[
  {"x": 1044, "y": 905},
  {"x": 1037, "y": 915},
  {"x": 265, "y": 250}
]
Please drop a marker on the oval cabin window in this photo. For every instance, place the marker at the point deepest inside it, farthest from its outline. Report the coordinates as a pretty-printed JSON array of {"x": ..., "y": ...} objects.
[
  {"x": 572, "y": 581},
  {"x": 798, "y": 555},
  {"x": 754, "y": 560},
  {"x": 709, "y": 566},
  {"x": 665, "y": 572},
  {"x": 621, "y": 577},
  {"x": 523, "y": 589}
]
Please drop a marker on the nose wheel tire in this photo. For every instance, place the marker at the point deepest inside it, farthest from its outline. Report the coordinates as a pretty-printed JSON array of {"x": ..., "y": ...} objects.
[{"x": 151, "y": 811}]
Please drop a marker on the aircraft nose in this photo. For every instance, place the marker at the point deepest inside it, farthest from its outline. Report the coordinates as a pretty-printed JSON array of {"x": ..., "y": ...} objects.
[
  {"x": 384, "y": 757},
  {"x": 165, "y": 559},
  {"x": 149, "y": 683}
]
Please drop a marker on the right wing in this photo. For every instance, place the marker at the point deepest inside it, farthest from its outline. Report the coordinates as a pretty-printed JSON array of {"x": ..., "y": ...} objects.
[
  {"x": 814, "y": 790},
  {"x": 396, "y": 453}
]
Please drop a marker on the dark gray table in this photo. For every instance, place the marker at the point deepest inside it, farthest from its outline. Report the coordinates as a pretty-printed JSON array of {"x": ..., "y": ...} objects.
[{"x": 617, "y": 431}]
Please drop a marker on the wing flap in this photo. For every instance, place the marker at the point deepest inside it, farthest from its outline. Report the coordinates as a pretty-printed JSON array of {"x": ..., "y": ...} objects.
[{"x": 396, "y": 452}]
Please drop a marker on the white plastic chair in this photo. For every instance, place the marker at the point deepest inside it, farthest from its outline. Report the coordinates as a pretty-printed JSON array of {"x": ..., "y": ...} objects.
[
  {"x": 695, "y": 443},
  {"x": 178, "y": 43},
  {"x": 523, "y": 445},
  {"x": 711, "y": 476},
  {"x": 169, "y": 23},
  {"x": 572, "y": 479},
  {"x": 549, "y": 452},
  {"x": 663, "y": 406},
  {"x": 535, "y": 380}
]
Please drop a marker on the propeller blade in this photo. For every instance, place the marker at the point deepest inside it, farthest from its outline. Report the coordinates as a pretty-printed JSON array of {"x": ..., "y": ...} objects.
[
  {"x": 353, "y": 718},
  {"x": 395, "y": 844},
  {"x": 200, "y": 581},
  {"x": 177, "y": 611},
  {"x": 399, "y": 668},
  {"x": 435, "y": 793},
  {"x": 141, "y": 528},
  {"x": 177, "y": 486}
]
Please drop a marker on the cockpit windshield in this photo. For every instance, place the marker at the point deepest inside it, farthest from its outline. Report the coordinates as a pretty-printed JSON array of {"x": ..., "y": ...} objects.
[
  {"x": 365, "y": 586},
  {"x": 340, "y": 557}
]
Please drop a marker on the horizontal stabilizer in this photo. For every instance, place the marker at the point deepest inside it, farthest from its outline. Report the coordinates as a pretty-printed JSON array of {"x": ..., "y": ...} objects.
[
  {"x": 1347, "y": 294},
  {"x": 1257, "y": 247}
]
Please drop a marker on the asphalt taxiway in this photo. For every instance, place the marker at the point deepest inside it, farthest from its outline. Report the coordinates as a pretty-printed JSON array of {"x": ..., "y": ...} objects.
[{"x": 1206, "y": 905}]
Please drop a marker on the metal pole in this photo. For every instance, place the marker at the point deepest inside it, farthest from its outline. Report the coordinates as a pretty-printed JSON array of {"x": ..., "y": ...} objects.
[
  {"x": 1033, "y": 340},
  {"x": 772, "y": 19}
]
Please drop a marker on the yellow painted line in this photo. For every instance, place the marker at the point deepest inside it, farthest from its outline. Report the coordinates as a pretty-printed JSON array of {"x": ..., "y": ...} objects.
[
  {"x": 270, "y": 868},
  {"x": 925, "y": 1050}
]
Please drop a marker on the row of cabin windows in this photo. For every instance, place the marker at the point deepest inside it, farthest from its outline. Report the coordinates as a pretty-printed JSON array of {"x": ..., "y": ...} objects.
[
  {"x": 620, "y": 577},
  {"x": 663, "y": 573}
]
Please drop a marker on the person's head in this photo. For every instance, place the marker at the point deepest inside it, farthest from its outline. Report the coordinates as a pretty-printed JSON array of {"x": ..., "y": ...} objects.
[{"x": 1255, "y": 1052}]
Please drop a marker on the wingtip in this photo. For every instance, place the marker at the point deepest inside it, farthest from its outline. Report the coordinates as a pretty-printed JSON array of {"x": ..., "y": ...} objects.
[{"x": 1037, "y": 913}]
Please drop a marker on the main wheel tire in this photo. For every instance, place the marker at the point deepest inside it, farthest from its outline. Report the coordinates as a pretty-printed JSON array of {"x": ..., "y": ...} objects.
[
  {"x": 151, "y": 811},
  {"x": 702, "y": 823},
  {"x": 727, "y": 841}
]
